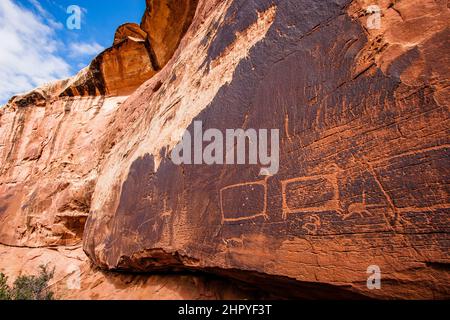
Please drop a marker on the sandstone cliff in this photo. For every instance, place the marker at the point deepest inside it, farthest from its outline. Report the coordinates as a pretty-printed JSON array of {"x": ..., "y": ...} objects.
[{"x": 364, "y": 168}]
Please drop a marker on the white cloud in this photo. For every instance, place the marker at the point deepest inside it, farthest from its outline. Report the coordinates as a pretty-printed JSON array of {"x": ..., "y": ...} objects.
[
  {"x": 28, "y": 51},
  {"x": 81, "y": 49},
  {"x": 45, "y": 14}
]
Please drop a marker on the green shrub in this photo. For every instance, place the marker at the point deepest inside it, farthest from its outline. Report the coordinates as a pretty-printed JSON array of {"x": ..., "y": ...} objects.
[
  {"x": 5, "y": 292},
  {"x": 28, "y": 287}
]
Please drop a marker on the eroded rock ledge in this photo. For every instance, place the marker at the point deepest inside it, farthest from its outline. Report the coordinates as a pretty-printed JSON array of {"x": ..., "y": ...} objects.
[{"x": 137, "y": 54}]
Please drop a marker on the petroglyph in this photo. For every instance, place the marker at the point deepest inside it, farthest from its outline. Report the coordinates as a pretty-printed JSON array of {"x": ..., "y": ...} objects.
[
  {"x": 407, "y": 154},
  {"x": 443, "y": 206},
  {"x": 390, "y": 215},
  {"x": 361, "y": 208},
  {"x": 244, "y": 201},
  {"x": 313, "y": 225},
  {"x": 234, "y": 242},
  {"x": 166, "y": 212},
  {"x": 311, "y": 194}
]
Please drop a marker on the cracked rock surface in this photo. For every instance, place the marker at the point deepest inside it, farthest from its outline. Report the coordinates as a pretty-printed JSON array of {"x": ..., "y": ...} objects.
[{"x": 364, "y": 170}]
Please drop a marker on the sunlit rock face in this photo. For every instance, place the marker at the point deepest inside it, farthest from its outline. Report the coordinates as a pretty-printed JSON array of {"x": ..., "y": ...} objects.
[
  {"x": 51, "y": 141},
  {"x": 137, "y": 54},
  {"x": 166, "y": 22},
  {"x": 362, "y": 111}
]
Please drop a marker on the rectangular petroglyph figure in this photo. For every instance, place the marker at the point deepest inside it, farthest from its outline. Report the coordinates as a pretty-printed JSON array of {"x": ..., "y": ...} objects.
[{"x": 244, "y": 201}]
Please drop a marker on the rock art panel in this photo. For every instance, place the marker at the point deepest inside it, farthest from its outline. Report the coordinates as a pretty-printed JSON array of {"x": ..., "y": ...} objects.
[{"x": 358, "y": 125}]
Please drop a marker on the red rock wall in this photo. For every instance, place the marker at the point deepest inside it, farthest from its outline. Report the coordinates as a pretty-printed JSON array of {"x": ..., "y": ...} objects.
[
  {"x": 363, "y": 118},
  {"x": 364, "y": 152}
]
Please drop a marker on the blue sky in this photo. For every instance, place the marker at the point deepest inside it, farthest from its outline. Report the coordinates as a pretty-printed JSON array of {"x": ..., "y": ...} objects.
[{"x": 37, "y": 46}]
